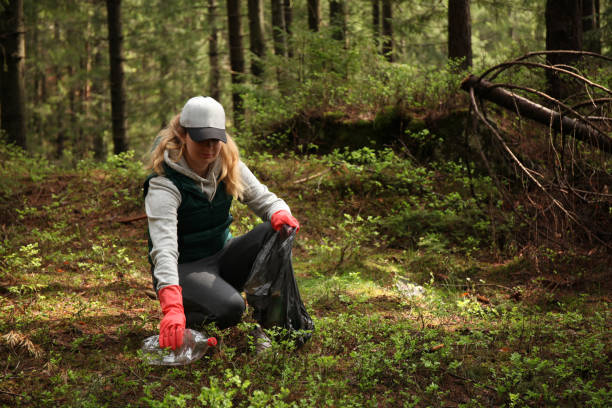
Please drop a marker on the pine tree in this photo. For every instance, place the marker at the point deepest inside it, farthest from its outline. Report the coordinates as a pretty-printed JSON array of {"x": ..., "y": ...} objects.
[
  {"x": 236, "y": 54},
  {"x": 256, "y": 37},
  {"x": 117, "y": 76},
  {"x": 12, "y": 72},
  {"x": 460, "y": 32}
]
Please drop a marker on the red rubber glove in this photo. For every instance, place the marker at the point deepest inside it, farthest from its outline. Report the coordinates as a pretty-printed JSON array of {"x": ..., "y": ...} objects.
[
  {"x": 172, "y": 325},
  {"x": 283, "y": 217}
]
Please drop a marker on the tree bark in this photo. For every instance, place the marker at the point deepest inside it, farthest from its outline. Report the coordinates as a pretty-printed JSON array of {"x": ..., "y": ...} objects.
[
  {"x": 314, "y": 15},
  {"x": 288, "y": 17},
  {"x": 214, "y": 79},
  {"x": 278, "y": 28},
  {"x": 337, "y": 19},
  {"x": 256, "y": 37},
  {"x": 376, "y": 24},
  {"x": 236, "y": 54},
  {"x": 590, "y": 26},
  {"x": 117, "y": 76},
  {"x": 12, "y": 72},
  {"x": 97, "y": 88},
  {"x": 60, "y": 137},
  {"x": 387, "y": 26},
  {"x": 460, "y": 32},
  {"x": 563, "y": 32},
  {"x": 545, "y": 116}
]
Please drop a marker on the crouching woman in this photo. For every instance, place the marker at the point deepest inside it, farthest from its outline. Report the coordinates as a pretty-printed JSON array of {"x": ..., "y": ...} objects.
[{"x": 198, "y": 268}]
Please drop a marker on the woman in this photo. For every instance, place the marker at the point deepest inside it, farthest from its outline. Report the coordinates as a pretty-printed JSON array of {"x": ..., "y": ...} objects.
[{"x": 198, "y": 268}]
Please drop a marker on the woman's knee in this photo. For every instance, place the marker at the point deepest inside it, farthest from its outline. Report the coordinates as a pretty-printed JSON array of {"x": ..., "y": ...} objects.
[{"x": 230, "y": 313}]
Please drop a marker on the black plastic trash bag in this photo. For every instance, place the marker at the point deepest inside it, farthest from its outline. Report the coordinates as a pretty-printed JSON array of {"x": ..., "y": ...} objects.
[{"x": 272, "y": 290}]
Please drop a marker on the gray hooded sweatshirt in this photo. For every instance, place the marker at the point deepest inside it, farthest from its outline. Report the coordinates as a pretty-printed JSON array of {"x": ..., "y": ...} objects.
[{"x": 162, "y": 202}]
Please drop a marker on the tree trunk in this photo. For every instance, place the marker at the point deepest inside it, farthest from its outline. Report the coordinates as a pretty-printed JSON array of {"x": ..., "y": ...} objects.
[
  {"x": 337, "y": 19},
  {"x": 288, "y": 17},
  {"x": 12, "y": 72},
  {"x": 32, "y": 39},
  {"x": 163, "y": 64},
  {"x": 314, "y": 15},
  {"x": 60, "y": 137},
  {"x": 278, "y": 28},
  {"x": 545, "y": 116},
  {"x": 214, "y": 80},
  {"x": 460, "y": 32},
  {"x": 236, "y": 54},
  {"x": 256, "y": 37},
  {"x": 590, "y": 26},
  {"x": 97, "y": 89},
  {"x": 387, "y": 27},
  {"x": 85, "y": 92},
  {"x": 117, "y": 82},
  {"x": 376, "y": 24},
  {"x": 74, "y": 141},
  {"x": 563, "y": 32}
]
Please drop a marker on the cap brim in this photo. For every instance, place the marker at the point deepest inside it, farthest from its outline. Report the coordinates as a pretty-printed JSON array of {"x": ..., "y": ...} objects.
[{"x": 206, "y": 133}]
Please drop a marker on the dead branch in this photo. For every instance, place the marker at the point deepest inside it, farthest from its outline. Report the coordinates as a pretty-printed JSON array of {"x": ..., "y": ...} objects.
[
  {"x": 314, "y": 176},
  {"x": 525, "y": 107},
  {"x": 127, "y": 220},
  {"x": 527, "y": 172}
]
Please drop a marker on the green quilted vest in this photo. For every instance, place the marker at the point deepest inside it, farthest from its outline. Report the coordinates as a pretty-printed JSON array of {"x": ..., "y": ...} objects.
[{"x": 203, "y": 226}]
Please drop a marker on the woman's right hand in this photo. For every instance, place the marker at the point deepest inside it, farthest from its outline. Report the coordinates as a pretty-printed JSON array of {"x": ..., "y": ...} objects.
[{"x": 172, "y": 325}]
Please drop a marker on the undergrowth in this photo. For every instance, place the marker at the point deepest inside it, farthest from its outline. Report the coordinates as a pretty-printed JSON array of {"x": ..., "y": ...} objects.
[{"x": 419, "y": 294}]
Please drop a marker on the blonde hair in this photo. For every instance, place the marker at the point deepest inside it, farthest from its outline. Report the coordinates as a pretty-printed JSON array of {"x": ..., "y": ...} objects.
[{"x": 171, "y": 138}]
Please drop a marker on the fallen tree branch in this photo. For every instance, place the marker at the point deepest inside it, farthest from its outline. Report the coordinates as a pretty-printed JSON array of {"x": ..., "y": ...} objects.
[
  {"x": 314, "y": 176},
  {"x": 526, "y": 171},
  {"x": 127, "y": 220},
  {"x": 525, "y": 107}
]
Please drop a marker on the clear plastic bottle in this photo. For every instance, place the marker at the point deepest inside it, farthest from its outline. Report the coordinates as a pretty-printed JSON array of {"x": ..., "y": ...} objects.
[{"x": 194, "y": 346}]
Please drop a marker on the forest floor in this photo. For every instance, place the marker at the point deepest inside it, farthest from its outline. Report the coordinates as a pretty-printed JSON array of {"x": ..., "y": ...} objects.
[{"x": 491, "y": 328}]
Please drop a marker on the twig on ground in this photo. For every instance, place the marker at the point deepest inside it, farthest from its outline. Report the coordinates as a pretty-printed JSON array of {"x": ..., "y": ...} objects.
[
  {"x": 314, "y": 176},
  {"x": 470, "y": 380},
  {"x": 9, "y": 393},
  {"x": 127, "y": 220}
]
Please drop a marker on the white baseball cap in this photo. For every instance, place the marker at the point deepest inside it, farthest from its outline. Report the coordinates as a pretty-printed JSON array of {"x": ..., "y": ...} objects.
[{"x": 204, "y": 118}]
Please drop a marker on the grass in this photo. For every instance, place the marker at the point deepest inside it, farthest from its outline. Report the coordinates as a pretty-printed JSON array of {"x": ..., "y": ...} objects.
[{"x": 492, "y": 327}]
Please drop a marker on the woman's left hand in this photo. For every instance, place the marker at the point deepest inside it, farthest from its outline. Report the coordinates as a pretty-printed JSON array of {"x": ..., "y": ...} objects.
[{"x": 283, "y": 217}]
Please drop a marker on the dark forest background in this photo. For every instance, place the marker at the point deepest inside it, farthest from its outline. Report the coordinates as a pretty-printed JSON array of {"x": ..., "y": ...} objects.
[{"x": 93, "y": 77}]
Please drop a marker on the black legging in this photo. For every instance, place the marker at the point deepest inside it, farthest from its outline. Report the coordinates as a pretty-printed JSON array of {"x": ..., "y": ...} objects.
[{"x": 212, "y": 285}]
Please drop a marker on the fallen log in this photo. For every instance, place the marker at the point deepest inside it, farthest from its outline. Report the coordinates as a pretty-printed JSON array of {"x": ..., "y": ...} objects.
[{"x": 529, "y": 109}]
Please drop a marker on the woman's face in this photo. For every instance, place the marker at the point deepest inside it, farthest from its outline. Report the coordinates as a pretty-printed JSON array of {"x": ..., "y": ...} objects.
[{"x": 200, "y": 155}]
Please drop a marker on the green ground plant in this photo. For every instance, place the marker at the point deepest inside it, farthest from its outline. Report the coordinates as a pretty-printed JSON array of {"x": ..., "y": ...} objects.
[{"x": 485, "y": 330}]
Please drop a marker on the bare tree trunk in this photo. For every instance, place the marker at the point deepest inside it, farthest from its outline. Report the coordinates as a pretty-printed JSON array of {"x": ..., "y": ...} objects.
[
  {"x": 60, "y": 137},
  {"x": 12, "y": 72},
  {"x": 75, "y": 141},
  {"x": 256, "y": 37},
  {"x": 387, "y": 26},
  {"x": 314, "y": 15},
  {"x": 590, "y": 26},
  {"x": 236, "y": 54},
  {"x": 563, "y": 32},
  {"x": 32, "y": 39},
  {"x": 117, "y": 82},
  {"x": 288, "y": 17},
  {"x": 97, "y": 89},
  {"x": 376, "y": 24},
  {"x": 278, "y": 28},
  {"x": 213, "y": 53},
  {"x": 85, "y": 91},
  {"x": 337, "y": 19},
  {"x": 460, "y": 32}
]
